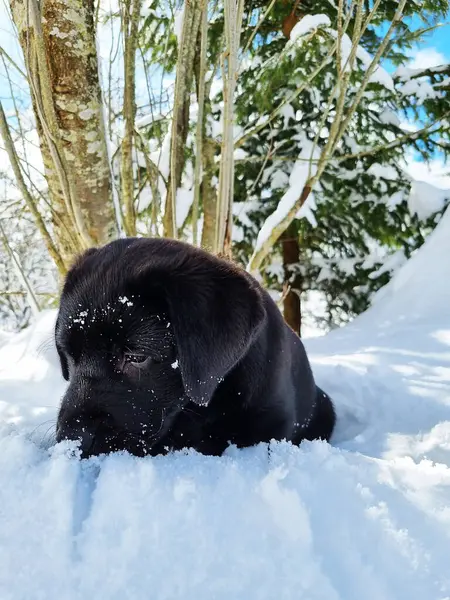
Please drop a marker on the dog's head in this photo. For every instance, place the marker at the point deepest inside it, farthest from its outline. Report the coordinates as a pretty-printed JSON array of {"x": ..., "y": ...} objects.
[{"x": 145, "y": 326}]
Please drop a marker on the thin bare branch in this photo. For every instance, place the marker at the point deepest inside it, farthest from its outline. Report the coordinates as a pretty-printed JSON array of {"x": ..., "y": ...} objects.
[
  {"x": 12, "y": 62},
  {"x": 258, "y": 25},
  {"x": 29, "y": 199},
  {"x": 32, "y": 300},
  {"x": 153, "y": 174}
]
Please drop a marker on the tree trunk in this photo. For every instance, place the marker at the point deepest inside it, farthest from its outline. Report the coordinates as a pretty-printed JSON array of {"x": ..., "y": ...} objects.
[
  {"x": 131, "y": 14},
  {"x": 59, "y": 46},
  {"x": 208, "y": 194},
  {"x": 183, "y": 84},
  {"x": 233, "y": 13},
  {"x": 200, "y": 66},
  {"x": 292, "y": 284}
]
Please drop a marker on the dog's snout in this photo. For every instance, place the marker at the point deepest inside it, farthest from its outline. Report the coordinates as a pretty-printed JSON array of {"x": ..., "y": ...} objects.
[
  {"x": 85, "y": 435},
  {"x": 79, "y": 432}
]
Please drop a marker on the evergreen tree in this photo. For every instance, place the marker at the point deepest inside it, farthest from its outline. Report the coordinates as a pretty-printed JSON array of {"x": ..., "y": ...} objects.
[{"x": 358, "y": 223}]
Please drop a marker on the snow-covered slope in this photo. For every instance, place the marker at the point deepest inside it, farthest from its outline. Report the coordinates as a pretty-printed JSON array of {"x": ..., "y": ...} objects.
[{"x": 365, "y": 518}]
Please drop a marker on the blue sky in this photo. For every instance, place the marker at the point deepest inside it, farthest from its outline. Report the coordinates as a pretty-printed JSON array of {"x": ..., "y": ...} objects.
[{"x": 440, "y": 39}]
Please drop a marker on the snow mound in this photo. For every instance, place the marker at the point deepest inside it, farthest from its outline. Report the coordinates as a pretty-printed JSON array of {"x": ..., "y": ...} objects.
[
  {"x": 420, "y": 290},
  {"x": 366, "y": 517}
]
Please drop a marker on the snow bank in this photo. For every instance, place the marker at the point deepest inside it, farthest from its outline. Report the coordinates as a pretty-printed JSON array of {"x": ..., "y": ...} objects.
[
  {"x": 420, "y": 290},
  {"x": 366, "y": 517}
]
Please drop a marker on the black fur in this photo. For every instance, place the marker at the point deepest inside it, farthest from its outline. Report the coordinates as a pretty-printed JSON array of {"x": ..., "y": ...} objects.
[{"x": 166, "y": 346}]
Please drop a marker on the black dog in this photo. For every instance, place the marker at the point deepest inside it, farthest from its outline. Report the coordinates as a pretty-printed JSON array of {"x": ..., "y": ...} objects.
[{"x": 166, "y": 347}]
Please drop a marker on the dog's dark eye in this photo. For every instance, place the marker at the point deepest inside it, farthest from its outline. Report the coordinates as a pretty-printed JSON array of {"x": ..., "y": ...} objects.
[{"x": 138, "y": 360}]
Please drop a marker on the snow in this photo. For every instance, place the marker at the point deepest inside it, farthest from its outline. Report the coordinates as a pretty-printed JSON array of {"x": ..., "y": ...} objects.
[
  {"x": 280, "y": 179},
  {"x": 395, "y": 199},
  {"x": 240, "y": 154},
  {"x": 421, "y": 89},
  {"x": 125, "y": 300},
  {"x": 307, "y": 210},
  {"x": 425, "y": 199},
  {"x": 426, "y": 58},
  {"x": 391, "y": 263},
  {"x": 389, "y": 117},
  {"x": 185, "y": 199},
  {"x": 383, "y": 171},
  {"x": 288, "y": 113},
  {"x": 444, "y": 83},
  {"x": 297, "y": 179},
  {"x": 434, "y": 171},
  {"x": 145, "y": 199},
  {"x": 178, "y": 23},
  {"x": 161, "y": 156},
  {"x": 307, "y": 23},
  {"x": 379, "y": 74},
  {"x": 365, "y": 517}
]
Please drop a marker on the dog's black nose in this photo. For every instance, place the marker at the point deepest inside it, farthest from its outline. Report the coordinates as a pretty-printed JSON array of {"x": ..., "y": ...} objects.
[{"x": 82, "y": 433}]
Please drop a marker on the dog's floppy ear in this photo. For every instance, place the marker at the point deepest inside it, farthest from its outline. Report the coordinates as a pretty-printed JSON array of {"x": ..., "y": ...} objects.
[{"x": 216, "y": 311}]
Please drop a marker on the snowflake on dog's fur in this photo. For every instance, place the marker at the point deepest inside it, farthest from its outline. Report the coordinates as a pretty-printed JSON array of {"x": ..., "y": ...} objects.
[
  {"x": 125, "y": 300},
  {"x": 82, "y": 315}
]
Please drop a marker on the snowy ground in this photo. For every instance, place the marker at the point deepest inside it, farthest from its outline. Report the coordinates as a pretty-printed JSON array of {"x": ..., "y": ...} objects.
[{"x": 365, "y": 518}]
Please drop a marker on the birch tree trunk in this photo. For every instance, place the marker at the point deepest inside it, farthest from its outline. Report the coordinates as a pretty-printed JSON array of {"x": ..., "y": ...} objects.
[
  {"x": 200, "y": 75},
  {"x": 224, "y": 216},
  {"x": 58, "y": 43},
  {"x": 187, "y": 45},
  {"x": 131, "y": 14}
]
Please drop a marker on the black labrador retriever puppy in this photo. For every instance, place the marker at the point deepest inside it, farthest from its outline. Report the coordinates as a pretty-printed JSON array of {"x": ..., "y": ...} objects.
[{"x": 166, "y": 347}]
